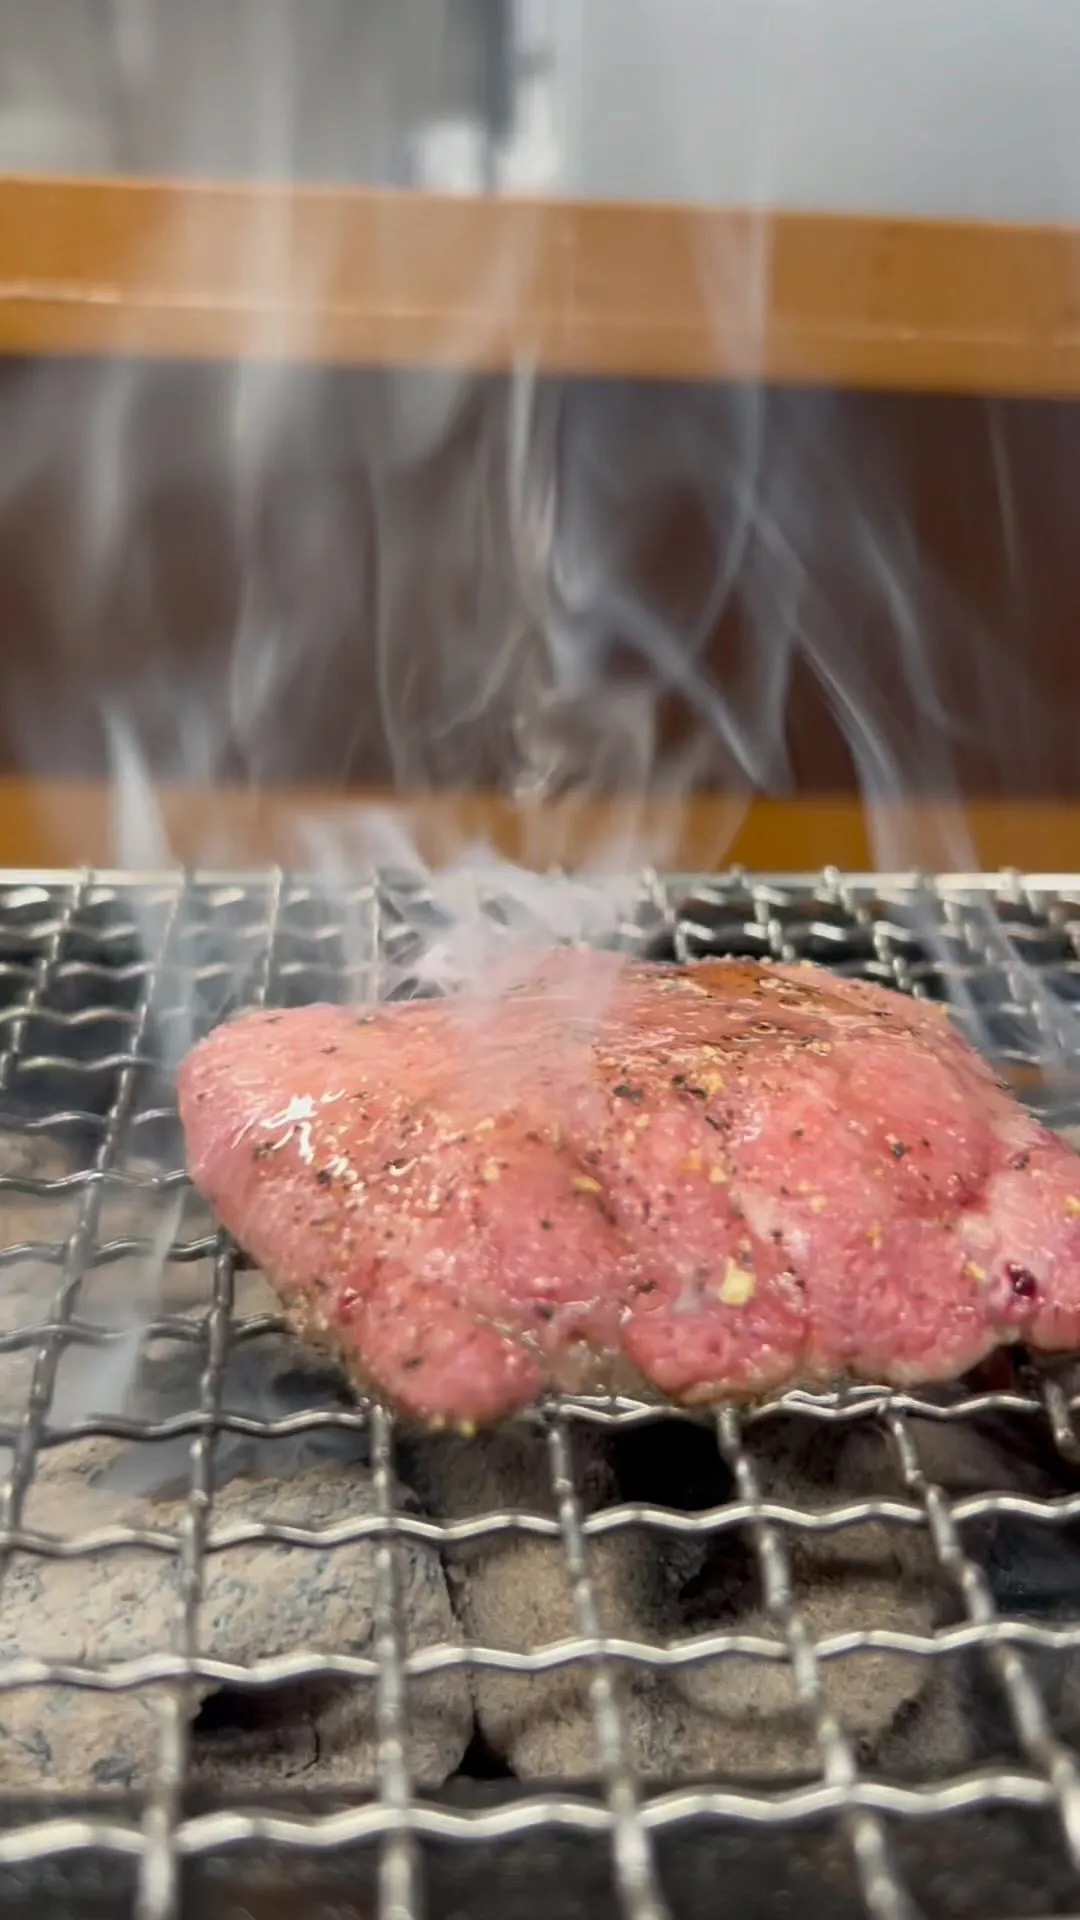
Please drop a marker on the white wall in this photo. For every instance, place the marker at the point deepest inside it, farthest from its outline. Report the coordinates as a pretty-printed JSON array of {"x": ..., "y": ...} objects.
[
  {"x": 951, "y": 107},
  {"x": 965, "y": 107}
]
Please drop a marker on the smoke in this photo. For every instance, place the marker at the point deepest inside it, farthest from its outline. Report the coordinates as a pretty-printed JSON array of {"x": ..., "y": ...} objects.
[{"x": 276, "y": 574}]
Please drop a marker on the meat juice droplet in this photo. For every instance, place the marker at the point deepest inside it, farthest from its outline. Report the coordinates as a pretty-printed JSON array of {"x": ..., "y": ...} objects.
[{"x": 1023, "y": 1283}]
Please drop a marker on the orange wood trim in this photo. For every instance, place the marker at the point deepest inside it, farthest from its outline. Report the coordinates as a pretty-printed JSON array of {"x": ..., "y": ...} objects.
[
  {"x": 59, "y": 824},
  {"x": 365, "y": 276}
]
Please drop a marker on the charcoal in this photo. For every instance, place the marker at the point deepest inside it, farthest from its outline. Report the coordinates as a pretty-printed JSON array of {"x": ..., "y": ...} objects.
[
  {"x": 515, "y": 1593},
  {"x": 258, "y": 1600},
  {"x": 732, "y": 1716},
  {"x": 863, "y": 1576}
]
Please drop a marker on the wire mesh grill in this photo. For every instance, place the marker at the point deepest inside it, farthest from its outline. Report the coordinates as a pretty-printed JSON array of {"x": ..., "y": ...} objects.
[{"x": 103, "y": 982}]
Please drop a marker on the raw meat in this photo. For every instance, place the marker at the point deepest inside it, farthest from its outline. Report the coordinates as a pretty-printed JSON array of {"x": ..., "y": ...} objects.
[{"x": 707, "y": 1182}]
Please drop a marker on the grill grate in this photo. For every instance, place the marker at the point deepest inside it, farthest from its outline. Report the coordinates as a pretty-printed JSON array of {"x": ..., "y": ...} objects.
[{"x": 103, "y": 982}]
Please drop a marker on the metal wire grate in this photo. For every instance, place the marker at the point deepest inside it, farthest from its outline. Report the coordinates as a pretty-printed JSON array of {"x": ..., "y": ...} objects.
[{"x": 103, "y": 982}]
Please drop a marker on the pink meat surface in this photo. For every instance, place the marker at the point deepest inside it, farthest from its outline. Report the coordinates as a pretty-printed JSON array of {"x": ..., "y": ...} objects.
[{"x": 708, "y": 1182}]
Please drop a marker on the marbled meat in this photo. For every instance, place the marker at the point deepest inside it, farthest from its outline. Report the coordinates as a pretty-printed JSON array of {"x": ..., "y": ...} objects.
[{"x": 702, "y": 1182}]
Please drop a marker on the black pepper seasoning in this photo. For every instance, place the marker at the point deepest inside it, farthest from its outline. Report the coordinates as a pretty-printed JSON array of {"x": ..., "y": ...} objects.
[{"x": 1021, "y": 1280}]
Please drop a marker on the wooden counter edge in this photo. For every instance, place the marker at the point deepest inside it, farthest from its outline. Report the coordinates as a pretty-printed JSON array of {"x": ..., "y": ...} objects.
[
  {"x": 176, "y": 269},
  {"x": 64, "y": 824}
]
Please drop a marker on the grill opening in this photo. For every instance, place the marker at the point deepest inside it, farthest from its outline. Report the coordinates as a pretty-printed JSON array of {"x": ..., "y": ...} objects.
[{"x": 257, "y": 1642}]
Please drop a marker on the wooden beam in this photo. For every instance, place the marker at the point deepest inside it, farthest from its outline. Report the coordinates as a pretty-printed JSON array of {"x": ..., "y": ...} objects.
[
  {"x": 363, "y": 276},
  {"x": 68, "y": 823}
]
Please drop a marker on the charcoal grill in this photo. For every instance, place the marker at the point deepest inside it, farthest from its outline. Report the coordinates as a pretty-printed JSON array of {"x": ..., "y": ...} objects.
[{"x": 103, "y": 980}]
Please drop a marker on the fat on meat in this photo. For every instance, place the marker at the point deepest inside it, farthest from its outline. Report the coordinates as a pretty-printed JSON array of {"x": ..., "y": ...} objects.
[{"x": 698, "y": 1183}]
